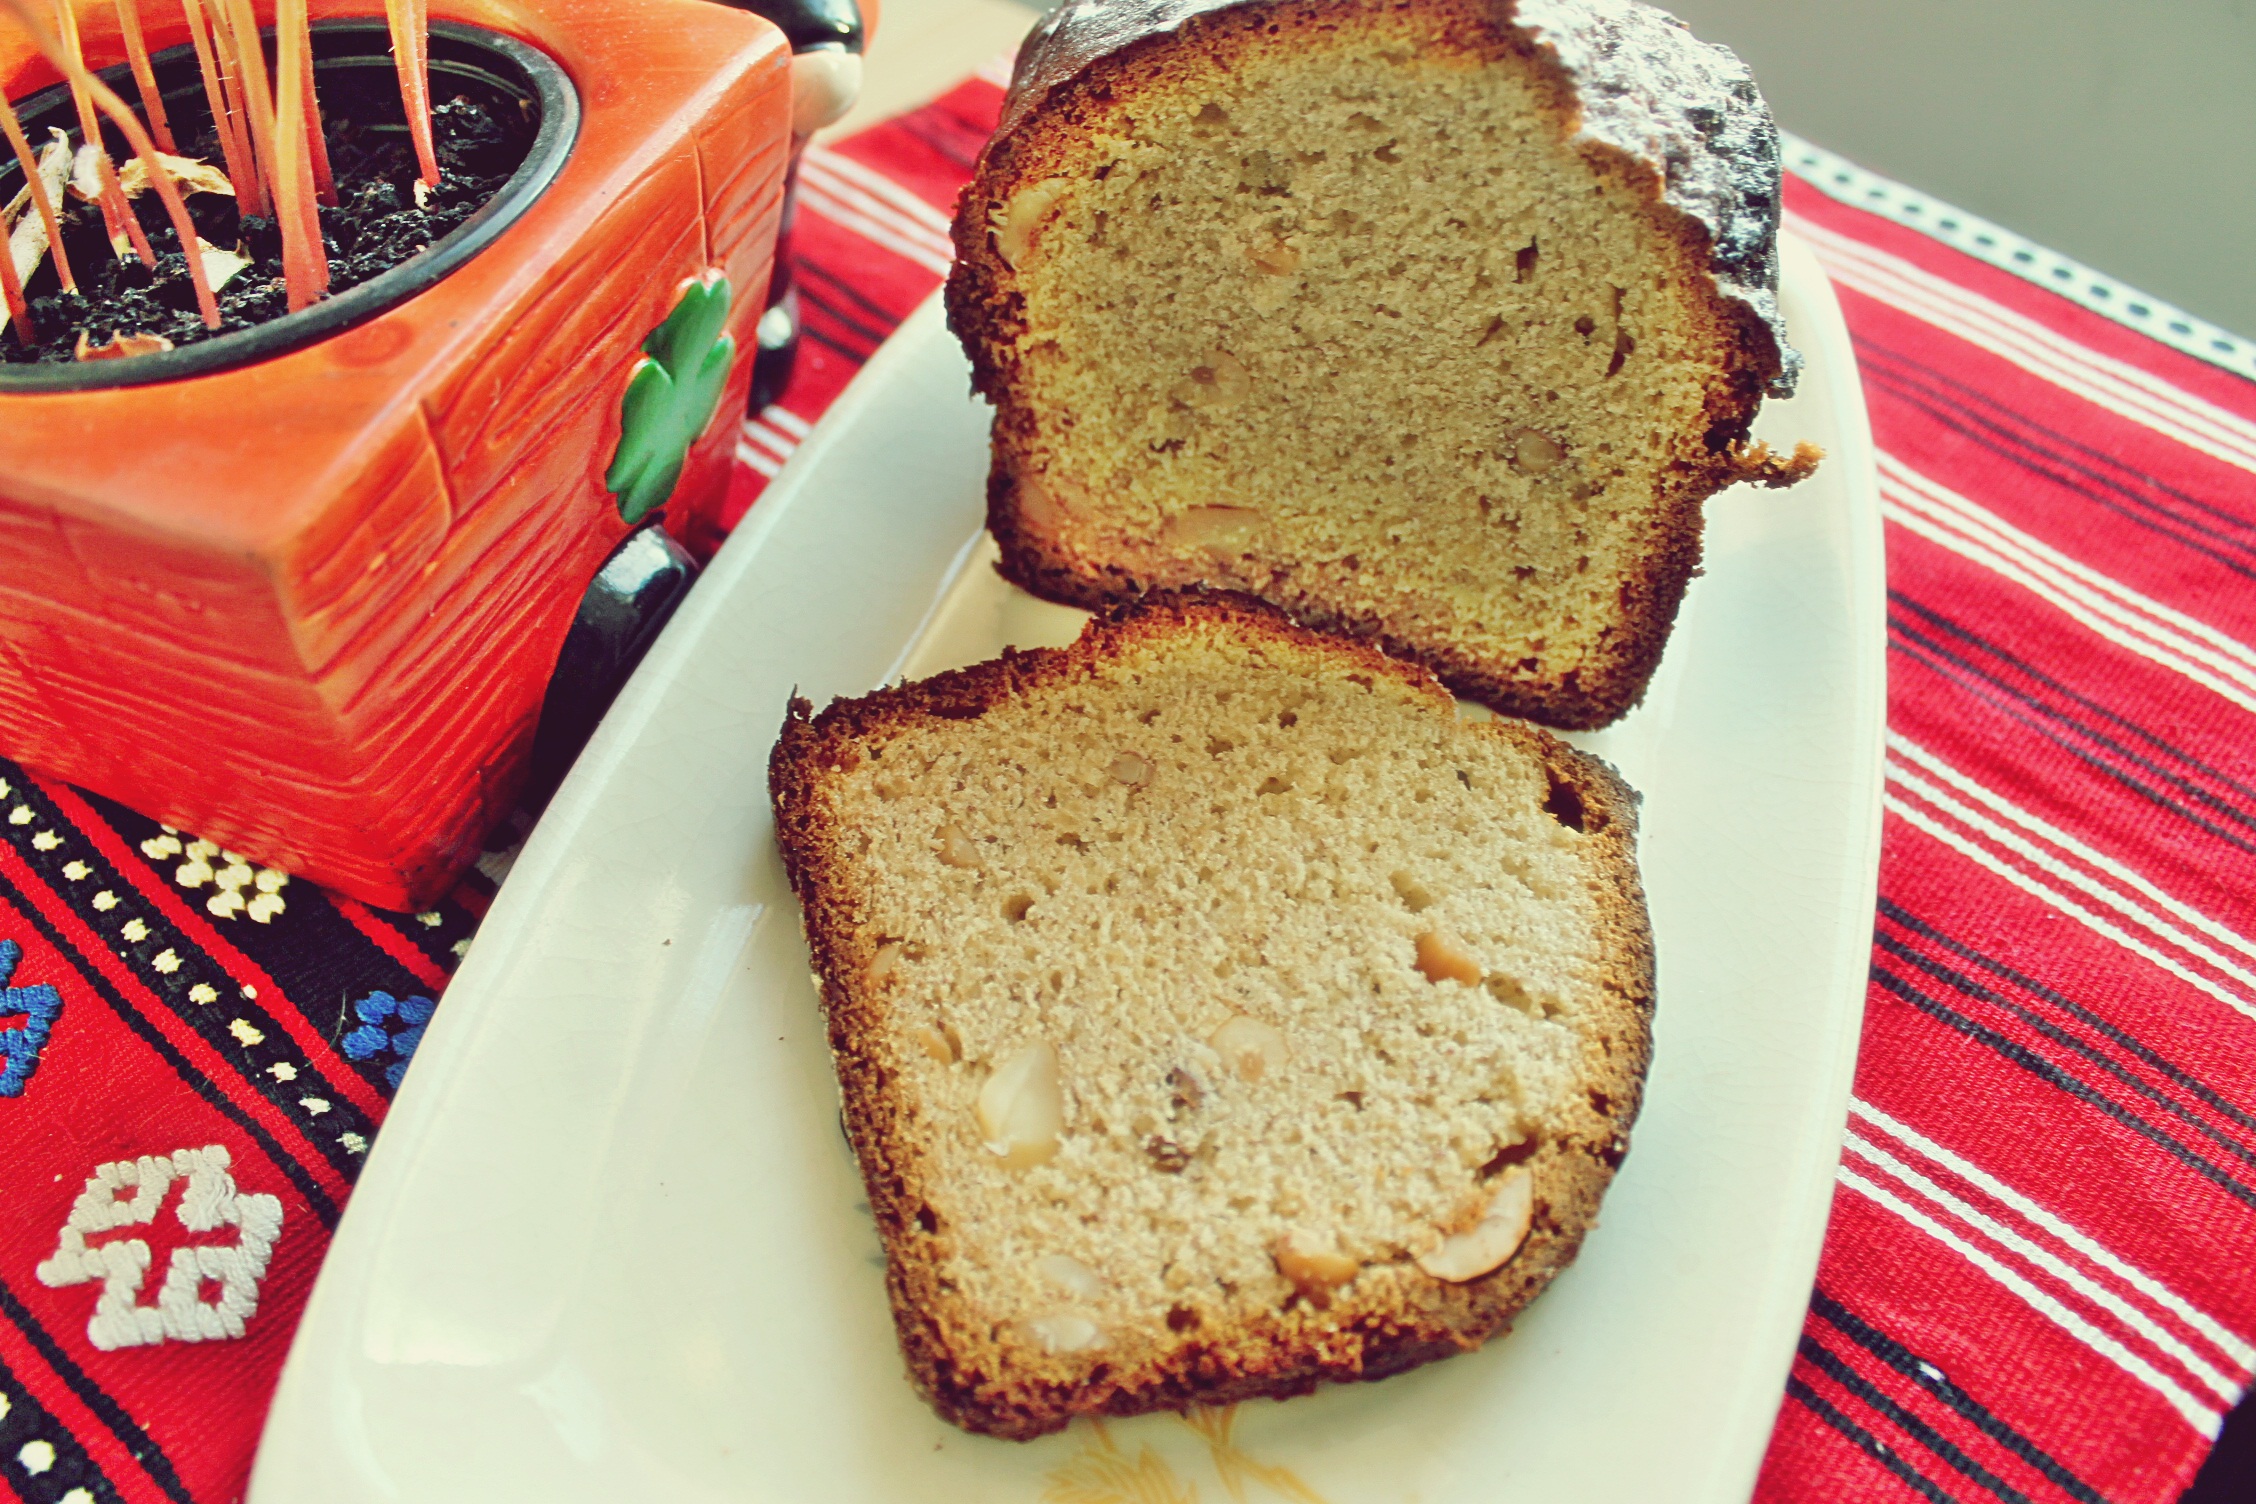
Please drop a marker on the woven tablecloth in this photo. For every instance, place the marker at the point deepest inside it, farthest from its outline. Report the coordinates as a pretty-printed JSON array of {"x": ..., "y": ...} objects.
[{"x": 2040, "y": 1279}]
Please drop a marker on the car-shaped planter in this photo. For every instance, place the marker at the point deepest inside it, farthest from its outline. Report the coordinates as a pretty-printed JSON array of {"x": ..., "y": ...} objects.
[{"x": 300, "y": 588}]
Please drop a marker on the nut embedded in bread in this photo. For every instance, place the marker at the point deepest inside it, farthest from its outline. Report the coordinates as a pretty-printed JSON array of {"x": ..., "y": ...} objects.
[
  {"x": 1433, "y": 321},
  {"x": 1216, "y": 1012}
]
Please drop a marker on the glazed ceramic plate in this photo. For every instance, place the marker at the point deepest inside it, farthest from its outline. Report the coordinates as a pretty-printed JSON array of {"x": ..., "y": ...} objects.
[{"x": 610, "y": 1245}]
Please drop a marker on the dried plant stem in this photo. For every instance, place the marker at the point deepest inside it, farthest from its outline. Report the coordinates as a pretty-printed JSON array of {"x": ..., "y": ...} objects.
[
  {"x": 86, "y": 86},
  {"x": 317, "y": 145},
  {"x": 256, "y": 96},
  {"x": 305, "y": 264},
  {"x": 144, "y": 77},
  {"x": 410, "y": 21},
  {"x": 12, "y": 293},
  {"x": 117, "y": 215},
  {"x": 13, "y": 129},
  {"x": 238, "y": 108},
  {"x": 227, "y": 122}
]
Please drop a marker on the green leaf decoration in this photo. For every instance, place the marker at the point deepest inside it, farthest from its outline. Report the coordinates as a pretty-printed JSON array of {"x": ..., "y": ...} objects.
[{"x": 671, "y": 398}]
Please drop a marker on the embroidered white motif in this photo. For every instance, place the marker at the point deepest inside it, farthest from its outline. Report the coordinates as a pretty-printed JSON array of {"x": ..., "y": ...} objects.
[
  {"x": 128, "y": 1193},
  {"x": 229, "y": 878}
]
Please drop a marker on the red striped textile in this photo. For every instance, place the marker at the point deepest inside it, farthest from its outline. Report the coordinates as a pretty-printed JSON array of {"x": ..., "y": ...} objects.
[{"x": 2039, "y": 1282}]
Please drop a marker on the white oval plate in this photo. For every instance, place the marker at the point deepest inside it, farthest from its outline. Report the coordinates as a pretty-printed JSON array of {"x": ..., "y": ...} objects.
[{"x": 610, "y": 1245}]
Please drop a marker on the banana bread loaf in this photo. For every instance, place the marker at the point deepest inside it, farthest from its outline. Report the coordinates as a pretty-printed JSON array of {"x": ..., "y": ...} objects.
[
  {"x": 1216, "y": 1013},
  {"x": 1432, "y": 321}
]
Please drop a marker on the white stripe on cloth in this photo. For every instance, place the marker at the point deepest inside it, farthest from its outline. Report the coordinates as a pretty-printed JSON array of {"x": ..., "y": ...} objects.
[
  {"x": 997, "y": 69},
  {"x": 780, "y": 417},
  {"x": 2156, "y": 927},
  {"x": 2136, "y": 622},
  {"x": 2060, "y": 901},
  {"x": 2141, "y": 1325},
  {"x": 746, "y": 454},
  {"x": 879, "y": 232},
  {"x": 2102, "y": 380},
  {"x": 779, "y": 445},
  {"x": 2203, "y": 1418},
  {"x": 2098, "y": 860},
  {"x": 2235, "y": 1349},
  {"x": 825, "y": 163}
]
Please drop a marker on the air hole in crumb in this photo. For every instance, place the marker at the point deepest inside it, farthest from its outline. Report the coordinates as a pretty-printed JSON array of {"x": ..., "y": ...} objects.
[
  {"x": 1353, "y": 1099},
  {"x": 1525, "y": 267},
  {"x": 1015, "y": 906},
  {"x": 1275, "y": 785},
  {"x": 1166, "y": 1156},
  {"x": 1601, "y": 1104},
  {"x": 1624, "y": 347},
  {"x": 1211, "y": 114},
  {"x": 1387, "y": 153},
  {"x": 928, "y": 1219},
  {"x": 1510, "y": 992},
  {"x": 1181, "y": 1319},
  {"x": 1586, "y": 326},
  {"x": 1287, "y": 718},
  {"x": 1464, "y": 778},
  {"x": 1512, "y": 1154},
  {"x": 1413, "y": 893},
  {"x": 1564, "y": 805},
  {"x": 1216, "y": 746}
]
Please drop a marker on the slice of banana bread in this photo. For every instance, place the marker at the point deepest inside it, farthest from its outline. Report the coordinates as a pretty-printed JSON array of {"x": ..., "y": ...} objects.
[
  {"x": 1433, "y": 321},
  {"x": 1216, "y": 1012}
]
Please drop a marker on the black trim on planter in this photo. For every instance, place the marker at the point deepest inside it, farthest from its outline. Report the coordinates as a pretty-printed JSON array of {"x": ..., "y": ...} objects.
[
  {"x": 808, "y": 24},
  {"x": 468, "y": 53},
  {"x": 630, "y": 599}
]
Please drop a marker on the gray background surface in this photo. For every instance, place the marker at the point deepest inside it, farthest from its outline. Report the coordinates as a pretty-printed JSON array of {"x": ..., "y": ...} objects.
[{"x": 2119, "y": 132}]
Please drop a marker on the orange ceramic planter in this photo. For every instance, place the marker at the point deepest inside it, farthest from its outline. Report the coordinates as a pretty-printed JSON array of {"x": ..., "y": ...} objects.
[{"x": 308, "y": 608}]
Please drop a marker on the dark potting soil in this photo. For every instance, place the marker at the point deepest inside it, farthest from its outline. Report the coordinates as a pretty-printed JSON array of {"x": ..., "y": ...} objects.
[{"x": 375, "y": 225}]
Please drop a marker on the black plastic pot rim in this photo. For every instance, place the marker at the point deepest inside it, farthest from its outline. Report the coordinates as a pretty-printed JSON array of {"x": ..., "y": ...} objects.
[{"x": 559, "y": 104}]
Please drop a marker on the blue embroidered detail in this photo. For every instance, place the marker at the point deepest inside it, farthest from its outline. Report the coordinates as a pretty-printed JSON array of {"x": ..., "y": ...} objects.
[
  {"x": 379, "y": 1010},
  {"x": 39, "y": 1007}
]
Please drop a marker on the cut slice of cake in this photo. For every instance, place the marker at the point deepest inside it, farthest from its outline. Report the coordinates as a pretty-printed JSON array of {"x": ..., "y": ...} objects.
[
  {"x": 1216, "y": 1013},
  {"x": 1432, "y": 321}
]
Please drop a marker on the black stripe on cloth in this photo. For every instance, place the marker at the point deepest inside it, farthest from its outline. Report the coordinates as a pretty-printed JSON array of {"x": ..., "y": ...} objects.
[
  {"x": 24, "y": 1422},
  {"x": 2052, "y": 1075},
  {"x": 2089, "y": 460},
  {"x": 2002, "y": 697},
  {"x": 1826, "y": 1361},
  {"x": 853, "y": 355},
  {"x": 1966, "y": 986},
  {"x": 272, "y": 1064},
  {"x": 320, "y": 959},
  {"x": 2176, "y": 1075},
  {"x": 139, "y": 1444},
  {"x": 883, "y": 320},
  {"x": 954, "y": 138},
  {"x": 1865, "y": 1442},
  {"x": 435, "y": 941},
  {"x": 2160, "y": 744},
  {"x": 2043, "y": 452},
  {"x": 324, "y": 1209},
  {"x": 818, "y": 300},
  {"x": 1932, "y": 1379}
]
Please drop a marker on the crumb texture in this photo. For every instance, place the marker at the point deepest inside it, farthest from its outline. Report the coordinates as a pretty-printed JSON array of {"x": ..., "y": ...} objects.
[
  {"x": 1332, "y": 304},
  {"x": 1196, "y": 992}
]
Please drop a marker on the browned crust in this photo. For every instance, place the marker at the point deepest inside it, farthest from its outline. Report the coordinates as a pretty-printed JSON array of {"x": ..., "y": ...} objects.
[
  {"x": 1301, "y": 1347},
  {"x": 987, "y": 314}
]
